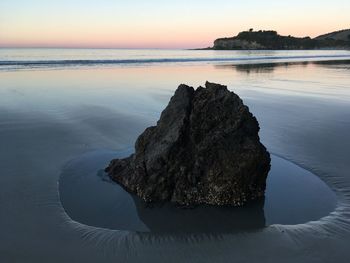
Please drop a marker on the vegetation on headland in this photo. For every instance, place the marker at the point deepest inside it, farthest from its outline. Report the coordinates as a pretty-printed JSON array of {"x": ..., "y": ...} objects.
[{"x": 266, "y": 40}]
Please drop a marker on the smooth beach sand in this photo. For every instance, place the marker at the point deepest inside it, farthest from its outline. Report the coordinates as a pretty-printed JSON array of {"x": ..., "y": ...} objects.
[{"x": 48, "y": 118}]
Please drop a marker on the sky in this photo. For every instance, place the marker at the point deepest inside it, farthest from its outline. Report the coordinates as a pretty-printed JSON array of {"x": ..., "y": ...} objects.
[{"x": 160, "y": 23}]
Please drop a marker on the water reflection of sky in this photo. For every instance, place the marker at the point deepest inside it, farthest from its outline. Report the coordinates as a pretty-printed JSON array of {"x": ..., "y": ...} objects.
[{"x": 48, "y": 117}]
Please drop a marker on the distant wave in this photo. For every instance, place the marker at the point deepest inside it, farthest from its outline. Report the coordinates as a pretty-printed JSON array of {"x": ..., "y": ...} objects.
[{"x": 43, "y": 63}]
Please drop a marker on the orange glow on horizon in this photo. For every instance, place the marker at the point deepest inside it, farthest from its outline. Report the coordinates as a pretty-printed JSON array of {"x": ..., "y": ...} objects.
[{"x": 158, "y": 24}]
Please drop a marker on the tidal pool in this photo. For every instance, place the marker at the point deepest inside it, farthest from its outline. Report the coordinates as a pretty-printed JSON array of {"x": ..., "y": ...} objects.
[{"x": 293, "y": 196}]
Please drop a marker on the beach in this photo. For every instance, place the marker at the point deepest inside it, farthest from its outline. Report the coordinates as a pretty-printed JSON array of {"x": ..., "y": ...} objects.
[{"x": 52, "y": 113}]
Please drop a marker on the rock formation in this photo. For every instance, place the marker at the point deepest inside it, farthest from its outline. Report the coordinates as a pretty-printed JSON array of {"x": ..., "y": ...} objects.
[
  {"x": 271, "y": 40},
  {"x": 205, "y": 149}
]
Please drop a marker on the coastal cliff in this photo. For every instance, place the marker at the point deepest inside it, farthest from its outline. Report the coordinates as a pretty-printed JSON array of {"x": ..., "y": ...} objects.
[{"x": 271, "y": 40}]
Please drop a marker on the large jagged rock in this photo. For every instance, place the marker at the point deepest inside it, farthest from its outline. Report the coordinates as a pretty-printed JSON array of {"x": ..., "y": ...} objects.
[{"x": 205, "y": 149}]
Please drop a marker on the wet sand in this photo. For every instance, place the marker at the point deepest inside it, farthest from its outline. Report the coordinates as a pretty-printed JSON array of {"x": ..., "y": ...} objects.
[{"x": 48, "y": 118}]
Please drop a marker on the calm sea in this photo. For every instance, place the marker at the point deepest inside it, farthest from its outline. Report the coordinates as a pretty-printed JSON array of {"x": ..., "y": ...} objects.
[{"x": 34, "y": 58}]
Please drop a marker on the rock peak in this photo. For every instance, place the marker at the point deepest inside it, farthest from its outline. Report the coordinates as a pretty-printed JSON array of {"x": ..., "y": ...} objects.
[{"x": 210, "y": 85}]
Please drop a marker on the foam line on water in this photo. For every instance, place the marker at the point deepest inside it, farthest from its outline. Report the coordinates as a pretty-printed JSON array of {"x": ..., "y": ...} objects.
[{"x": 76, "y": 62}]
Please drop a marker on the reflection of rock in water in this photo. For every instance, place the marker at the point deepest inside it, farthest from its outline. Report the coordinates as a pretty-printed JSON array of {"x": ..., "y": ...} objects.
[
  {"x": 256, "y": 68},
  {"x": 261, "y": 68},
  {"x": 167, "y": 219}
]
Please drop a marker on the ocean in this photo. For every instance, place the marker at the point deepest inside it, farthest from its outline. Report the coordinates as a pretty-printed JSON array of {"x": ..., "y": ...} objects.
[{"x": 50, "y": 57}]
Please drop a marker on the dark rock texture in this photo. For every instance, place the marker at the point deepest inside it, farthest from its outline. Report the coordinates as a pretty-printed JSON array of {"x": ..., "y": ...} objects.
[{"x": 205, "y": 149}]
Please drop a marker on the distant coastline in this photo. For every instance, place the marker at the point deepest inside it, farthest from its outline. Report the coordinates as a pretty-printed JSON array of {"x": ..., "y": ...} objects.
[{"x": 271, "y": 40}]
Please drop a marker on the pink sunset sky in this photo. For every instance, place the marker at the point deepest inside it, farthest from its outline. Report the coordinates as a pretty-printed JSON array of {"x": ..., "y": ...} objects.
[{"x": 159, "y": 24}]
